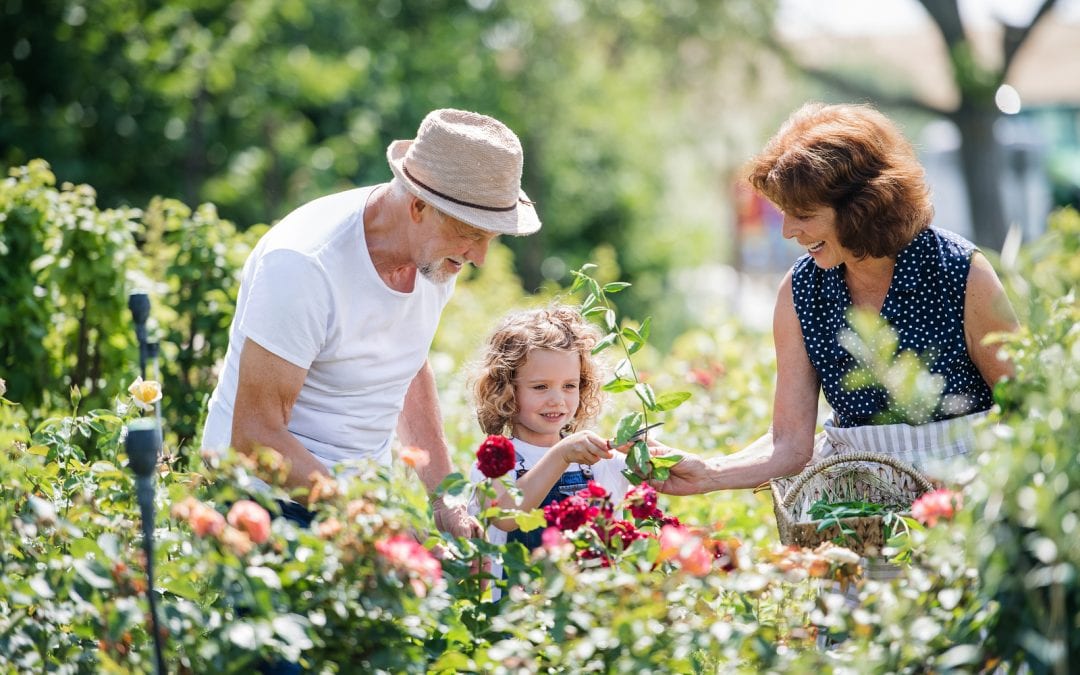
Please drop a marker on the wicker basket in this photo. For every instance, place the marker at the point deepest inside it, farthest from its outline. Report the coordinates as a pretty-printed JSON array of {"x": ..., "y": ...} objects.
[{"x": 866, "y": 476}]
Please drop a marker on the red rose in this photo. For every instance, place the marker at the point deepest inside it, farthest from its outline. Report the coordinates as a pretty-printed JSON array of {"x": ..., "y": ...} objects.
[
  {"x": 642, "y": 502},
  {"x": 670, "y": 520},
  {"x": 496, "y": 456},
  {"x": 622, "y": 530},
  {"x": 594, "y": 491},
  {"x": 590, "y": 554},
  {"x": 571, "y": 513}
]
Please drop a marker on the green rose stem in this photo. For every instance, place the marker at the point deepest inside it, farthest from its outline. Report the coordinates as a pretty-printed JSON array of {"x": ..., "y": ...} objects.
[{"x": 641, "y": 465}]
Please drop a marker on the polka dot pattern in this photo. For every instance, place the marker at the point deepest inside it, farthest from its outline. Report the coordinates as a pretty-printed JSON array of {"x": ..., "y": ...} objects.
[{"x": 924, "y": 304}]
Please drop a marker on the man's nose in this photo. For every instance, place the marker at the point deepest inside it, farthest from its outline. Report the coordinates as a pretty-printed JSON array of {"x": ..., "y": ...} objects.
[{"x": 477, "y": 253}]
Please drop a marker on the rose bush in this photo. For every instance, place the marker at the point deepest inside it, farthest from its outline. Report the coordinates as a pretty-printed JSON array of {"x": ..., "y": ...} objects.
[{"x": 654, "y": 584}]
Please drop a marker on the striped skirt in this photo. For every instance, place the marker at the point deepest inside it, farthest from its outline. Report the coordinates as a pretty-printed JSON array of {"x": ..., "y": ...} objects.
[{"x": 931, "y": 448}]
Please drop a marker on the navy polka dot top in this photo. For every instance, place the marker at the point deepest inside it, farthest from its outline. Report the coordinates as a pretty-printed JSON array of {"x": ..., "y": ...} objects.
[{"x": 924, "y": 305}]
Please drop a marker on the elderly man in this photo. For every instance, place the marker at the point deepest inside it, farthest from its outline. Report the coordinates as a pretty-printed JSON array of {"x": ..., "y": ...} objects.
[{"x": 339, "y": 303}]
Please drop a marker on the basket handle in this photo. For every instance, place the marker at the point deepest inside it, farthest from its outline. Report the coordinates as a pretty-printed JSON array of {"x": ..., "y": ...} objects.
[{"x": 811, "y": 471}]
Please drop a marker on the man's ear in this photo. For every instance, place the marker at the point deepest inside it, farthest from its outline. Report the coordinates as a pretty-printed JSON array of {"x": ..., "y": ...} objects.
[{"x": 416, "y": 208}]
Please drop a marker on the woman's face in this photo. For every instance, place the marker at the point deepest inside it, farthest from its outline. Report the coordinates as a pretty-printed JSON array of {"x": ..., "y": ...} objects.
[
  {"x": 546, "y": 389},
  {"x": 815, "y": 230}
]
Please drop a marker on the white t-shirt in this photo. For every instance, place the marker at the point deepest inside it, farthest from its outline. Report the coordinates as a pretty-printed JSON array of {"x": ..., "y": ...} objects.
[
  {"x": 310, "y": 294},
  {"x": 607, "y": 473}
]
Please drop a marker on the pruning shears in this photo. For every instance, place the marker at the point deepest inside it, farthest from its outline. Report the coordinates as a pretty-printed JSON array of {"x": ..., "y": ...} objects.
[{"x": 640, "y": 433}]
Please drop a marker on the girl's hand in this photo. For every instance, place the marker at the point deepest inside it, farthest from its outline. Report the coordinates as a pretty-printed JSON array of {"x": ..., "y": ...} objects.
[
  {"x": 582, "y": 447},
  {"x": 656, "y": 448}
]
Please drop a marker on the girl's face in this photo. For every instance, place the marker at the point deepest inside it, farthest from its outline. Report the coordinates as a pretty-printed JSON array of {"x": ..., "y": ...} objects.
[
  {"x": 816, "y": 231},
  {"x": 546, "y": 390}
]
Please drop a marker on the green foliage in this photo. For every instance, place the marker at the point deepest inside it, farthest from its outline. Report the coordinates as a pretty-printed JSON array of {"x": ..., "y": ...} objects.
[
  {"x": 197, "y": 257},
  {"x": 260, "y": 106},
  {"x": 64, "y": 263},
  {"x": 67, "y": 268},
  {"x": 914, "y": 392},
  {"x": 1024, "y": 539},
  {"x": 997, "y": 586},
  {"x": 632, "y": 427},
  {"x": 353, "y": 592}
]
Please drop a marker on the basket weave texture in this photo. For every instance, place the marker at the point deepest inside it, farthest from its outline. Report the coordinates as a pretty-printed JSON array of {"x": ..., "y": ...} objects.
[{"x": 853, "y": 476}]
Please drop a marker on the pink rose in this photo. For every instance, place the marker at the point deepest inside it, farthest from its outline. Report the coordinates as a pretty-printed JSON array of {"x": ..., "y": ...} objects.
[
  {"x": 932, "y": 506},
  {"x": 236, "y": 540},
  {"x": 248, "y": 516},
  {"x": 687, "y": 549},
  {"x": 404, "y": 553},
  {"x": 551, "y": 538}
]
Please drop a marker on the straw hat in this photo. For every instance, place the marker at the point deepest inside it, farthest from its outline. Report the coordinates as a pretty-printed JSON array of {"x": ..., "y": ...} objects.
[{"x": 467, "y": 165}]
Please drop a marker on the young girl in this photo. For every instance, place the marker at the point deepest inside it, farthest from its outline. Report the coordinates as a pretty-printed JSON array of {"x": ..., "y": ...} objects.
[{"x": 539, "y": 384}]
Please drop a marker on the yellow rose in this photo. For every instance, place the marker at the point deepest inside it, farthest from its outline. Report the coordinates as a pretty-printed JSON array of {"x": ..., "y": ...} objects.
[{"x": 145, "y": 394}]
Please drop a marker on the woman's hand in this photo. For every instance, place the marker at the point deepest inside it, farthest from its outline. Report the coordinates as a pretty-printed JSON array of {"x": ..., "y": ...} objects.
[
  {"x": 582, "y": 447},
  {"x": 688, "y": 477}
]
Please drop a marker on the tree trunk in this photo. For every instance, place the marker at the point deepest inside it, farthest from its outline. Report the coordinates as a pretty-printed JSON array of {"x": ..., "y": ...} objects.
[{"x": 981, "y": 162}]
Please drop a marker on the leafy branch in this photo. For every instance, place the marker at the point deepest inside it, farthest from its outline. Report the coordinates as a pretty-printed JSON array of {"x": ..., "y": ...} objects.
[{"x": 630, "y": 340}]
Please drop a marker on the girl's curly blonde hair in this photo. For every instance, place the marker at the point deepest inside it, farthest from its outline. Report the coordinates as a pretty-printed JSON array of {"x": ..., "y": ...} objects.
[{"x": 558, "y": 327}]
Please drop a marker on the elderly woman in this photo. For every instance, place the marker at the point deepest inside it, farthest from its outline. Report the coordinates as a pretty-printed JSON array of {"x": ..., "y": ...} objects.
[{"x": 853, "y": 194}]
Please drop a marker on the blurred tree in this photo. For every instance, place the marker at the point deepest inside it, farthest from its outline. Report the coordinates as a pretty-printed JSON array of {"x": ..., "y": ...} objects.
[
  {"x": 260, "y": 105},
  {"x": 974, "y": 113}
]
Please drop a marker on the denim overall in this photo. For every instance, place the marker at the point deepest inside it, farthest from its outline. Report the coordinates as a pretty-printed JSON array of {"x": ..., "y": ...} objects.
[{"x": 569, "y": 483}]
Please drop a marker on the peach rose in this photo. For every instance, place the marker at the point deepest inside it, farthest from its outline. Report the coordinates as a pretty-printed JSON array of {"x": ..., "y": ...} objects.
[
  {"x": 248, "y": 516},
  {"x": 204, "y": 521},
  {"x": 236, "y": 540},
  {"x": 415, "y": 457},
  {"x": 685, "y": 548},
  {"x": 328, "y": 529}
]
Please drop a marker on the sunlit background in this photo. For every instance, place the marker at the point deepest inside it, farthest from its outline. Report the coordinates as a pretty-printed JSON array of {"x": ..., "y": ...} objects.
[{"x": 636, "y": 116}]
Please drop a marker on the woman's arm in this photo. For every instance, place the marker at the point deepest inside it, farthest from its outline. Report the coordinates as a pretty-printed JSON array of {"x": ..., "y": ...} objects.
[
  {"x": 582, "y": 447},
  {"x": 789, "y": 444},
  {"x": 987, "y": 310}
]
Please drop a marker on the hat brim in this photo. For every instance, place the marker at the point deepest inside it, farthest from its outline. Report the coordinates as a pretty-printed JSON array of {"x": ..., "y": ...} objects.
[{"x": 519, "y": 221}]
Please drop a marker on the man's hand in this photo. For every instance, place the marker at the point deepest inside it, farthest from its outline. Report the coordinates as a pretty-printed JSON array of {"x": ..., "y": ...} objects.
[{"x": 455, "y": 520}]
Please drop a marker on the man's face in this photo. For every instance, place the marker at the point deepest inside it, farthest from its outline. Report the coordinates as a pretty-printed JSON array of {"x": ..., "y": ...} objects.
[{"x": 450, "y": 244}]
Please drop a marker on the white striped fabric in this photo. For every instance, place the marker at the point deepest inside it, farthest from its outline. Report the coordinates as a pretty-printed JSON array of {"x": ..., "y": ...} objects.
[{"x": 924, "y": 446}]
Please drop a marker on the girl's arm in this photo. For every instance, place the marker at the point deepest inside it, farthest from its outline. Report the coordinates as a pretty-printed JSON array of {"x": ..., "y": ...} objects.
[
  {"x": 788, "y": 445},
  {"x": 582, "y": 447}
]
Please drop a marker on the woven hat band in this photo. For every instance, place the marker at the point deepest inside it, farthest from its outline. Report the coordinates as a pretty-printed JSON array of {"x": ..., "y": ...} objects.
[{"x": 448, "y": 198}]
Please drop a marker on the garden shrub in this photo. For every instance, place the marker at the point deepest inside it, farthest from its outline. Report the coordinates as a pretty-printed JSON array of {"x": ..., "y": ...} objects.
[{"x": 994, "y": 587}]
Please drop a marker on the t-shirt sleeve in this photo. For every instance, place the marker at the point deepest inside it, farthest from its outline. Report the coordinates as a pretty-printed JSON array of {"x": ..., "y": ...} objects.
[
  {"x": 288, "y": 307},
  {"x": 609, "y": 473}
]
